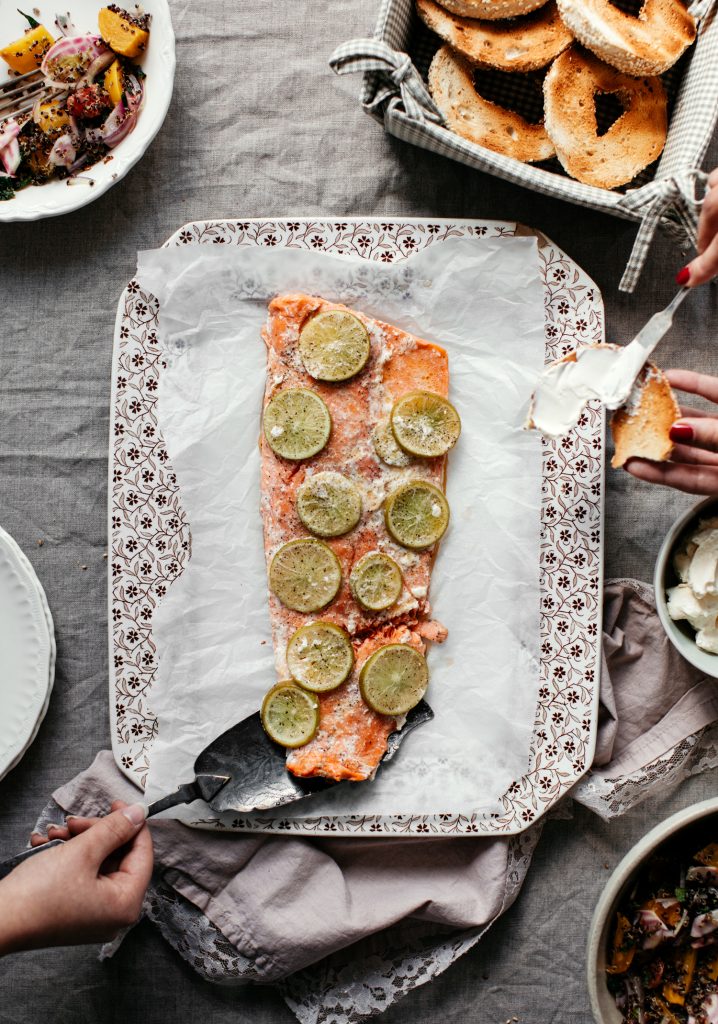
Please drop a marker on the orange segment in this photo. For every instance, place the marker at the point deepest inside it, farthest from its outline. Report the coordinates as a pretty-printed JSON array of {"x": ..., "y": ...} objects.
[
  {"x": 120, "y": 33},
  {"x": 26, "y": 53}
]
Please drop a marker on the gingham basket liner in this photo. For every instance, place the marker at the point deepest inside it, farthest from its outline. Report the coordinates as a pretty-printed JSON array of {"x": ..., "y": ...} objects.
[
  {"x": 150, "y": 538},
  {"x": 394, "y": 92}
]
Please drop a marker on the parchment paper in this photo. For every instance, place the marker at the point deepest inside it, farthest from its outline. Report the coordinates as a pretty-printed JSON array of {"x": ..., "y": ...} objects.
[{"x": 483, "y": 300}]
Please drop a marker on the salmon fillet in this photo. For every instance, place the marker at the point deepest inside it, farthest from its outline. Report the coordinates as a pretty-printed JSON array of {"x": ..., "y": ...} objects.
[{"x": 351, "y": 738}]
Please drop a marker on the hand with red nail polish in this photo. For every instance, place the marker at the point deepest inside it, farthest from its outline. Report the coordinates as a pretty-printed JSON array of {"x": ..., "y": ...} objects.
[
  {"x": 85, "y": 891},
  {"x": 693, "y": 466},
  {"x": 705, "y": 265}
]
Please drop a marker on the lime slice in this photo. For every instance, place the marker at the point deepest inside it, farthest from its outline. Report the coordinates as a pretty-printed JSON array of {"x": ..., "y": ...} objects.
[
  {"x": 320, "y": 656},
  {"x": 385, "y": 445},
  {"x": 290, "y": 715},
  {"x": 297, "y": 423},
  {"x": 305, "y": 575},
  {"x": 376, "y": 581},
  {"x": 328, "y": 504},
  {"x": 394, "y": 679},
  {"x": 425, "y": 424},
  {"x": 334, "y": 346},
  {"x": 416, "y": 514}
]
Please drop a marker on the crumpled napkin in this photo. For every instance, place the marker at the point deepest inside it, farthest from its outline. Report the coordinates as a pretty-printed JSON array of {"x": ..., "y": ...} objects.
[{"x": 224, "y": 900}]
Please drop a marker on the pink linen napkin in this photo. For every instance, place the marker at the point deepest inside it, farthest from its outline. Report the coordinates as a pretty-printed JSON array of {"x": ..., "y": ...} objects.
[{"x": 361, "y": 909}]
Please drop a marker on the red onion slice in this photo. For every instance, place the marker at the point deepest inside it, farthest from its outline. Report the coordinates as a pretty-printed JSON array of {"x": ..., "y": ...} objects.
[
  {"x": 99, "y": 64},
  {"x": 11, "y": 156},
  {"x": 65, "y": 24},
  {"x": 69, "y": 59},
  {"x": 123, "y": 118},
  {"x": 9, "y": 131},
  {"x": 63, "y": 153}
]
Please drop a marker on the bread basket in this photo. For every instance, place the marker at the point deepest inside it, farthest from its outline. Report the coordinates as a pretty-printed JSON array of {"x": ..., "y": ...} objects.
[{"x": 395, "y": 62}]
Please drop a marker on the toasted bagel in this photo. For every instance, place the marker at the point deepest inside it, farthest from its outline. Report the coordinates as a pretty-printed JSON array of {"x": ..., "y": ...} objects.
[
  {"x": 492, "y": 10},
  {"x": 648, "y": 44},
  {"x": 635, "y": 140},
  {"x": 523, "y": 44},
  {"x": 641, "y": 427},
  {"x": 467, "y": 113}
]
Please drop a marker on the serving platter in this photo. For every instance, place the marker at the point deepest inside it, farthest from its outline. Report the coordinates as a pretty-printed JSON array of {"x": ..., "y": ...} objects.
[
  {"x": 150, "y": 537},
  {"x": 62, "y": 196},
  {"x": 27, "y": 643}
]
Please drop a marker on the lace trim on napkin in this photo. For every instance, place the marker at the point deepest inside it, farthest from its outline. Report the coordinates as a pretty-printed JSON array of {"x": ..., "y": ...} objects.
[{"x": 609, "y": 797}]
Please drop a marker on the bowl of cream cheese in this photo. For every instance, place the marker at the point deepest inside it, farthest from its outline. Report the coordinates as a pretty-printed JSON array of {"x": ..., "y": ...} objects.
[{"x": 686, "y": 585}]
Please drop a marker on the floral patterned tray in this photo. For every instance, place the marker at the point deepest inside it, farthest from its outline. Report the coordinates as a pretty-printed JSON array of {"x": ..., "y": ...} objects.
[{"x": 150, "y": 535}]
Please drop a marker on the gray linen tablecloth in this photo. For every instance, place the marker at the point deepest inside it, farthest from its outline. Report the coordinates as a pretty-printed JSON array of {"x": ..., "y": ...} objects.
[{"x": 260, "y": 127}]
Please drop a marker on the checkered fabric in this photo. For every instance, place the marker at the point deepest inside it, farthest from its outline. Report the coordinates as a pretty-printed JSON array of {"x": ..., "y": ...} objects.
[{"x": 668, "y": 195}]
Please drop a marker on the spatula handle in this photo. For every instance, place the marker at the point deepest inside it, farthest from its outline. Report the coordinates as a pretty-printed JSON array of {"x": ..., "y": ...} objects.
[{"x": 184, "y": 795}]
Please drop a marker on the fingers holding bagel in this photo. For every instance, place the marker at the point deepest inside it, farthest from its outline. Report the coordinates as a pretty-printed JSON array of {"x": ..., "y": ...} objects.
[
  {"x": 702, "y": 384},
  {"x": 699, "y": 433},
  {"x": 691, "y": 479}
]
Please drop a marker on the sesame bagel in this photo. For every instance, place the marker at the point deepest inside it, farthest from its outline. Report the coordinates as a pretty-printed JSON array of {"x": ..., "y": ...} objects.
[
  {"x": 648, "y": 44},
  {"x": 635, "y": 140},
  {"x": 491, "y": 10},
  {"x": 451, "y": 82},
  {"x": 523, "y": 44}
]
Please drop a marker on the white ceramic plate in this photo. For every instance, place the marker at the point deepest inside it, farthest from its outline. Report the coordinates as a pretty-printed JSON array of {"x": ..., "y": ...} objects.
[
  {"x": 27, "y": 653},
  {"x": 158, "y": 63}
]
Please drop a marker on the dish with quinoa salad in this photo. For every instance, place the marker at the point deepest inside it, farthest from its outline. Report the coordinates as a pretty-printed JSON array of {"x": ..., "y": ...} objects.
[{"x": 87, "y": 90}]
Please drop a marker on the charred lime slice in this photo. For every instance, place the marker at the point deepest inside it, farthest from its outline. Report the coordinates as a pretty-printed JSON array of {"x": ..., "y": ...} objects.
[
  {"x": 290, "y": 715},
  {"x": 416, "y": 514},
  {"x": 425, "y": 424},
  {"x": 394, "y": 679},
  {"x": 328, "y": 504},
  {"x": 320, "y": 656},
  {"x": 297, "y": 423},
  {"x": 376, "y": 581},
  {"x": 334, "y": 346},
  {"x": 305, "y": 575},
  {"x": 382, "y": 437}
]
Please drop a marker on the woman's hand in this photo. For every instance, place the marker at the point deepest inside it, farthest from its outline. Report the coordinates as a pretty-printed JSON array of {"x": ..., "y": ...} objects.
[
  {"x": 694, "y": 463},
  {"x": 705, "y": 265},
  {"x": 85, "y": 891}
]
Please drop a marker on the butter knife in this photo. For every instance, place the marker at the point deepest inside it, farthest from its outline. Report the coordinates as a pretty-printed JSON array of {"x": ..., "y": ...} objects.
[{"x": 604, "y": 373}]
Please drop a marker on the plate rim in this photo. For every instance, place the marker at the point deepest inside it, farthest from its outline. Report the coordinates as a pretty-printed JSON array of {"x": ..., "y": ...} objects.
[{"x": 508, "y": 228}]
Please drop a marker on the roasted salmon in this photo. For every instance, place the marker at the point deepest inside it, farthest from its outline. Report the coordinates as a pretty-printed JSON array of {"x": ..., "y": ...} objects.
[{"x": 351, "y": 738}]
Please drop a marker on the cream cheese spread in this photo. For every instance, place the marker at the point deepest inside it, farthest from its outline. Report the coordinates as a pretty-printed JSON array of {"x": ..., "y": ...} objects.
[
  {"x": 603, "y": 372},
  {"x": 695, "y": 599}
]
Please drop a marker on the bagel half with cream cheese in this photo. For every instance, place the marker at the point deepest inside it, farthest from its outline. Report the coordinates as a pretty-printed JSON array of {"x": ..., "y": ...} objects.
[
  {"x": 521, "y": 44},
  {"x": 641, "y": 427},
  {"x": 647, "y": 44},
  {"x": 632, "y": 142},
  {"x": 451, "y": 82},
  {"x": 491, "y": 10}
]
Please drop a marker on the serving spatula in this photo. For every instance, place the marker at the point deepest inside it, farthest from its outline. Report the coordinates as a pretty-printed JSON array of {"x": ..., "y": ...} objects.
[{"x": 243, "y": 771}]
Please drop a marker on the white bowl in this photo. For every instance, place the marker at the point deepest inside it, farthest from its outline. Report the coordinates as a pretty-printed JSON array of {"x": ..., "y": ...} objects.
[
  {"x": 158, "y": 63},
  {"x": 603, "y": 1007},
  {"x": 681, "y": 635}
]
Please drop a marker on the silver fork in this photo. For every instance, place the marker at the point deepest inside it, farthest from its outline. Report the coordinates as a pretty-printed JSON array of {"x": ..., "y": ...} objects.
[{"x": 19, "y": 95}]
